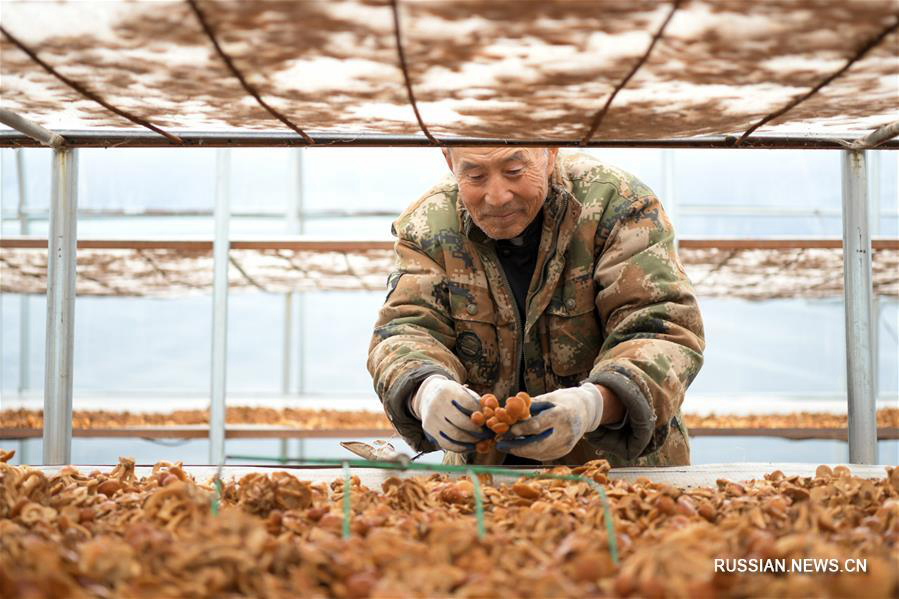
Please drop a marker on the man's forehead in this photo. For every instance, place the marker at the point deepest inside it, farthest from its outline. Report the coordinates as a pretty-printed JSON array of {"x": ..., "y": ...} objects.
[{"x": 488, "y": 155}]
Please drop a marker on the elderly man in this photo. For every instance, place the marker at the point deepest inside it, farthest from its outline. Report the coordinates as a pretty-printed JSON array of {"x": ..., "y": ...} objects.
[{"x": 554, "y": 274}]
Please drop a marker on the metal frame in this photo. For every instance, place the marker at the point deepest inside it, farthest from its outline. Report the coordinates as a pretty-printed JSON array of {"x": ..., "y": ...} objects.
[
  {"x": 286, "y": 433},
  {"x": 301, "y": 217},
  {"x": 310, "y": 244},
  {"x": 60, "y": 332},
  {"x": 24, "y": 301},
  {"x": 295, "y": 217},
  {"x": 62, "y": 247},
  {"x": 235, "y": 139},
  {"x": 218, "y": 394},
  {"x": 31, "y": 132},
  {"x": 859, "y": 330}
]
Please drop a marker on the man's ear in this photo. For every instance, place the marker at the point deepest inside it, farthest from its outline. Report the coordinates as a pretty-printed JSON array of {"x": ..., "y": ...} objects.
[
  {"x": 449, "y": 159},
  {"x": 551, "y": 154}
]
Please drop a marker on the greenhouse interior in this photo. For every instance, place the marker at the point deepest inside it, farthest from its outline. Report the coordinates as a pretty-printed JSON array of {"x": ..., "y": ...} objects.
[{"x": 445, "y": 298}]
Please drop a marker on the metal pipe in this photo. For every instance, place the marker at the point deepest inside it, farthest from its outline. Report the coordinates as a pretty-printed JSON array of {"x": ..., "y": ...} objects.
[
  {"x": 60, "y": 308},
  {"x": 301, "y": 343},
  {"x": 31, "y": 129},
  {"x": 690, "y": 209},
  {"x": 24, "y": 300},
  {"x": 858, "y": 292},
  {"x": 94, "y": 213},
  {"x": 284, "y": 448},
  {"x": 287, "y": 343},
  {"x": 294, "y": 225},
  {"x": 703, "y": 209},
  {"x": 299, "y": 212},
  {"x": 148, "y": 139},
  {"x": 361, "y": 245},
  {"x": 24, "y": 453},
  {"x": 297, "y": 206},
  {"x": 220, "y": 249},
  {"x": 877, "y": 137}
]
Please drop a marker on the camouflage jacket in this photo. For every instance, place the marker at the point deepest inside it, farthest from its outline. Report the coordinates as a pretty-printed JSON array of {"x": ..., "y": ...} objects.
[{"x": 609, "y": 303}]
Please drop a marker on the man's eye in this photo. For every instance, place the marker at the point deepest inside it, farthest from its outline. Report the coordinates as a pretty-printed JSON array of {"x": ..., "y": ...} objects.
[
  {"x": 476, "y": 177},
  {"x": 514, "y": 172}
]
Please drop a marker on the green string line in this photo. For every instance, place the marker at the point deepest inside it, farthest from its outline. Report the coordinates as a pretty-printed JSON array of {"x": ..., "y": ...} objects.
[
  {"x": 447, "y": 468},
  {"x": 216, "y": 497},
  {"x": 607, "y": 517},
  {"x": 478, "y": 505},
  {"x": 347, "y": 482}
]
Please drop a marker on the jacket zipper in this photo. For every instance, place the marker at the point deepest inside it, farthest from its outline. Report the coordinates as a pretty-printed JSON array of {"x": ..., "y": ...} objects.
[
  {"x": 551, "y": 255},
  {"x": 519, "y": 339}
]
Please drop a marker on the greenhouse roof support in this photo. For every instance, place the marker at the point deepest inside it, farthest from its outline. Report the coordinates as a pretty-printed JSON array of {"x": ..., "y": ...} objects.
[
  {"x": 273, "y": 139},
  {"x": 878, "y": 137},
  {"x": 31, "y": 130}
]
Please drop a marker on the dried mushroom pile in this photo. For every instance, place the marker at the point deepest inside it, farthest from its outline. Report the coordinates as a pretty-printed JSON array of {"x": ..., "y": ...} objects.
[
  {"x": 886, "y": 418},
  {"x": 117, "y": 535},
  {"x": 307, "y": 419},
  {"x": 313, "y": 419}
]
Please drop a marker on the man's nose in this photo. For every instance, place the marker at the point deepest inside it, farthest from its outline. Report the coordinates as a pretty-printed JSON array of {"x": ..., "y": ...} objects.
[{"x": 498, "y": 192}]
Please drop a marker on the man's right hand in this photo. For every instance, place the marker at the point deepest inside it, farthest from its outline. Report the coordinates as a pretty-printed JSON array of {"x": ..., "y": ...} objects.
[{"x": 444, "y": 408}]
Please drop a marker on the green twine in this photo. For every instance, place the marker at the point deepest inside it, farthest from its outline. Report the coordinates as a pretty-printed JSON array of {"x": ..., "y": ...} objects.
[
  {"x": 470, "y": 470},
  {"x": 607, "y": 516},
  {"x": 347, "y": 483},
  {"x": 478, "y": 504},
  {"x": 216, "y": 497}
]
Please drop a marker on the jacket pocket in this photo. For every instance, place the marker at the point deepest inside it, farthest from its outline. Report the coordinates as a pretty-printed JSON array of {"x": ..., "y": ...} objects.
[
  {"x": 575, "y": 334},
  {"x": 477, "y": 344}
]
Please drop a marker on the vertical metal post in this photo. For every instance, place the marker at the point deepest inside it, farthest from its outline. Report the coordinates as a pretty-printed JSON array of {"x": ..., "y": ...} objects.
[
  {"x": 60, "y": 308},
  {"x": 287, "y": 343},
  {"x": 24, "y": 453},
  {"x": 295, "y": 208},
  {"x": 24, "y": 303},
  {"x": 301, "y": 343},
  {"x": 299, "y": 211},
  {"x": 220, "y": 249},
  {"x": 858, "y": 292},
  {"x": 294, "y": 225}
]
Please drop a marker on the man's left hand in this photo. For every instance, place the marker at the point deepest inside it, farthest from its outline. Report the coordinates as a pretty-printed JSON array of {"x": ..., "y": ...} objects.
[{"x": 558, "y": 421}]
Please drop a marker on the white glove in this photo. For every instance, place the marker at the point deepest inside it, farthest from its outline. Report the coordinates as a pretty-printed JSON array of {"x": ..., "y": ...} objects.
[
  {"x": 444, "y": 408},
  {"x": 558, "y": 421}
]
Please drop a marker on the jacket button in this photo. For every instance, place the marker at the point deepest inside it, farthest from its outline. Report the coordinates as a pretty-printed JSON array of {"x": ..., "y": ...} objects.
[
  {"x": 570, "y": 303},
  {"x": 471, "y": 309}
]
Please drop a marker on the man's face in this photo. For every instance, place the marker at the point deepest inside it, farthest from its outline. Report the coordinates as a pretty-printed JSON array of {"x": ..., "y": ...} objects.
[{"x": 502, "y": 188}]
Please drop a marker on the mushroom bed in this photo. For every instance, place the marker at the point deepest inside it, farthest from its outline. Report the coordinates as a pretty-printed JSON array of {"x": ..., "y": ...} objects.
[{"x": 114, "y": 534}]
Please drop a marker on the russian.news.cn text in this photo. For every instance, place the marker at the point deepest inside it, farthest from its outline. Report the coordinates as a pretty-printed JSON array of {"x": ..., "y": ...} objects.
[{"x": 807, "y": 565}]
